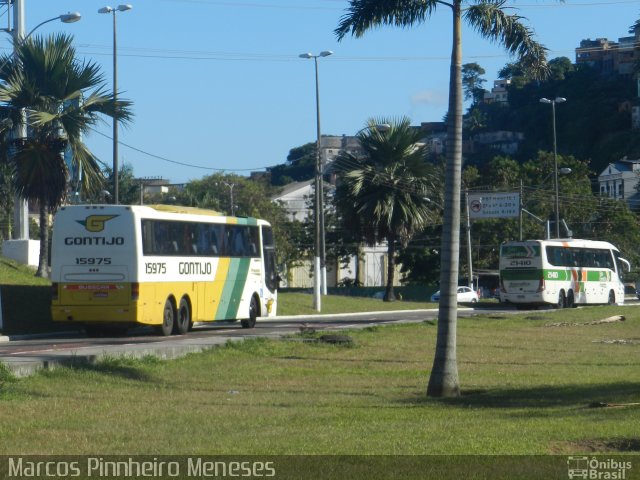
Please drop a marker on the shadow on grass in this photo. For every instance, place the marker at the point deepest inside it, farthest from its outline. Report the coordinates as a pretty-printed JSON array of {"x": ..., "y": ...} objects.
[
  {"x": 577, "y": 396},
  {"x": 125, "y": 368}
]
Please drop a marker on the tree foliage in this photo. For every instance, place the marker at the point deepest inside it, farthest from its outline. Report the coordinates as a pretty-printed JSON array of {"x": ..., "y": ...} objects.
[
  {"x": 251, "y": 198},
  {"x": 300, "y": 166},
  {"x": 381, "y": 195},
  {"x": 472, "y": 82},
  {"x": 63, "y": 98}
]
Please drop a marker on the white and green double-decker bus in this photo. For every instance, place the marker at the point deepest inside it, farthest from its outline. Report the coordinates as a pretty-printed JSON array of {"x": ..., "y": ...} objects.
[{"x": 561, "y": 272}]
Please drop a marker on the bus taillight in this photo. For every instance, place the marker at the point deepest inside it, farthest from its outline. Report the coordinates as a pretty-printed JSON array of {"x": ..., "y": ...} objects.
[
  {"x": 135, "y": 291},
  {"x": 54, "y": 291},
  {"x": 541, "y": 285}
]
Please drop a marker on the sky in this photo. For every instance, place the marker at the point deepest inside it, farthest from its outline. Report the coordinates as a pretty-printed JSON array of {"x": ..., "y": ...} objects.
[{"x": 218, "y": 86}]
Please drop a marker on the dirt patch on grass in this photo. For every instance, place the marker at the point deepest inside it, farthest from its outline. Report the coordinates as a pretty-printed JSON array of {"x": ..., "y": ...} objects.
[
  {"x": 614, "y": 319},
  {"x": 617, "y": 445}
]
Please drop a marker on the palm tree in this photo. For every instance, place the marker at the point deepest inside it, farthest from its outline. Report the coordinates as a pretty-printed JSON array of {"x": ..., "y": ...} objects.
[
  {"x": 382, "y": 195},
  {"x": 488, "y": 17},
  {"x": 46, "y": 81}
]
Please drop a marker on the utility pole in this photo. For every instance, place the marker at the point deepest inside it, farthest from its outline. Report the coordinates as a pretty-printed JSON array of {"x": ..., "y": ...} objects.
[
  {"x": 21, "y": 208},
  {"x": 469, "y": 257}
]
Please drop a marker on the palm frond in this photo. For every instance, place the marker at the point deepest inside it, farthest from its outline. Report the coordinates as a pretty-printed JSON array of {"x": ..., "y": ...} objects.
[
  {"x": 64, "y": 98},
  {"x": 489, "y": 19},
  {"x": 40, "y": 174},
  {"x": 364, "y": 15},
  {"x": 381, "y": 193}
]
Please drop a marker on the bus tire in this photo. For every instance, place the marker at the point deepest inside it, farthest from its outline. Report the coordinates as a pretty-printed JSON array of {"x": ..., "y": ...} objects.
[
  {"x": 183, "y": 319},
  {"x": 168, "y": 319},
  {"x": 253, "y": 314},
  {"x": 571, "y": 303},
  {"x": 561, "y": 300},
  {"x": 612, "y": 298}
]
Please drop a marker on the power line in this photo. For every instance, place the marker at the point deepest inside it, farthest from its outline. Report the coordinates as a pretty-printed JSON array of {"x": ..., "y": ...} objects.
[{"x": 184, "y": 164}]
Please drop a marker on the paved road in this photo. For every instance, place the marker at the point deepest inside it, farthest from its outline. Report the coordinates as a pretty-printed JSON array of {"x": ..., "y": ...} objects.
[{"x": 24, "y": 356}]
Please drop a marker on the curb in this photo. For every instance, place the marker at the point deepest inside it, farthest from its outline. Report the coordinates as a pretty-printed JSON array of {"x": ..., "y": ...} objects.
[{"x": 35, "y": 336}]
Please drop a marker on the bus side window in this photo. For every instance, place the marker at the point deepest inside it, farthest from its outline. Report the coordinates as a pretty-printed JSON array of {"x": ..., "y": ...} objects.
[
  {"x": 239, "y": 242},
  {"x": 215, "y": 240},
  {"x": 254, "y": 241}
]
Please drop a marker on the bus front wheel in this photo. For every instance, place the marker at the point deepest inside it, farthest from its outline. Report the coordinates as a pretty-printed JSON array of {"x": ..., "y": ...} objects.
[
  {"x": 253, "y": 314},
  {"x": 168, "y": 318},
  {"x": 183, "y": 321}
]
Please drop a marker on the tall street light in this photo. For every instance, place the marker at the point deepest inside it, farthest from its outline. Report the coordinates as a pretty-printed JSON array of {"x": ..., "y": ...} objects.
[
  {"x": 113, "y": 10},
  {"x": 21, "y": 209},
  {"x": 70, "y": 17},
  {"x": 555, "y": 156},
  {"x": 320, "y": 268}
]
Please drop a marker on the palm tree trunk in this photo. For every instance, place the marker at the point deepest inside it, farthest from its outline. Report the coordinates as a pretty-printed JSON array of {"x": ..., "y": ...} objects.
[
  {"x": 43, "y": 267},
  {"x": 389, "y": 294},
  {"x": 443, "y": 381}
]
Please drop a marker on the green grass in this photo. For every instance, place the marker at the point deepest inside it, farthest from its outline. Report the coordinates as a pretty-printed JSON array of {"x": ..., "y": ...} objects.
[
  {"x": 14, "y": 273},
  {"x": 527, "y": 389},
  {"x": 302, "y": 304}
]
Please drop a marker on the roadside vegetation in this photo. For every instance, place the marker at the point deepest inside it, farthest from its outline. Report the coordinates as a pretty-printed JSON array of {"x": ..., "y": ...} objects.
[
  {"x": 531, "y": 384},
  {"x": 14, "y": 273}
]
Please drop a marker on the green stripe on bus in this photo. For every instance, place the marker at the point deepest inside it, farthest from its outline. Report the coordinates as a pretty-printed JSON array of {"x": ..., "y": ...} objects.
[
  {"x": 233, "y": 288},
  {"x": 559, "y": 275},
  {"x": 246, "y": 221}
]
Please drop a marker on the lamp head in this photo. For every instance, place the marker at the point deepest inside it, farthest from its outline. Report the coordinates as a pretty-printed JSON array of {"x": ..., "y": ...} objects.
[
  {"x": 560, "y": 99},
  {"x": 70, "y": 17},
  {"x": 326, "y": 53},
  {"x": 545, "y": 100},
  {"x": 105, "y": 10},
  {"x": 305, "y": 55},
  {"x": 124, "y": 7}
]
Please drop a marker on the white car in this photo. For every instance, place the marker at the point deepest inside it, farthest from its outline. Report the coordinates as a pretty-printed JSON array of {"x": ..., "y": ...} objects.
[{"x": 465, "y": 295}]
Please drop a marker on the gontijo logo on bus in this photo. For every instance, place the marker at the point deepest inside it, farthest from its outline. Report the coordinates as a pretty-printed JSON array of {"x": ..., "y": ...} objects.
[{"x": 95, "y": 223}]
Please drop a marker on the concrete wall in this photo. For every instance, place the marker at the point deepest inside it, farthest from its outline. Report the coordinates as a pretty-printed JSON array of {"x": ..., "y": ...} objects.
[{"x": 22, "y": 251}]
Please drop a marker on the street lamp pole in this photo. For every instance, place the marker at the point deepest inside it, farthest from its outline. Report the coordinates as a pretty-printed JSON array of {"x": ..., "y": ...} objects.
[
  {"x": 21, "y": 209},
  {"x": 555, "y": 157},
  {"x": 113, "y": 10},
  {"x": 233, "y": 207},
  {"x": 320, "y": 267}
]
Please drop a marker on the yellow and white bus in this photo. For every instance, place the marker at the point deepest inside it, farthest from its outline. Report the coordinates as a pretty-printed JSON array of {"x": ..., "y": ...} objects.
[
  {"x": 561, "y": 272},
  {"x": 117, "y": 266}
]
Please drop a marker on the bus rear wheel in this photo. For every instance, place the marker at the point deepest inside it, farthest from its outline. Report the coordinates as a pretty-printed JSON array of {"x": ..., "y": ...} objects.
[
  {"x": 253, "y": 315},
  {"x": 561, "y": 300},
  {"x": 612, "y": 298},
  {"x": 571, "y": 303},
  {"x": 168, "y": 318},
  {"x": 184, "y": 318}
]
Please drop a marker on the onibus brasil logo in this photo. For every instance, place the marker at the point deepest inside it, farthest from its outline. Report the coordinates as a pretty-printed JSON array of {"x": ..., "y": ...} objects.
[
  {"x": 95, "y": 223},
  {"x": 597, "y": 468}
]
